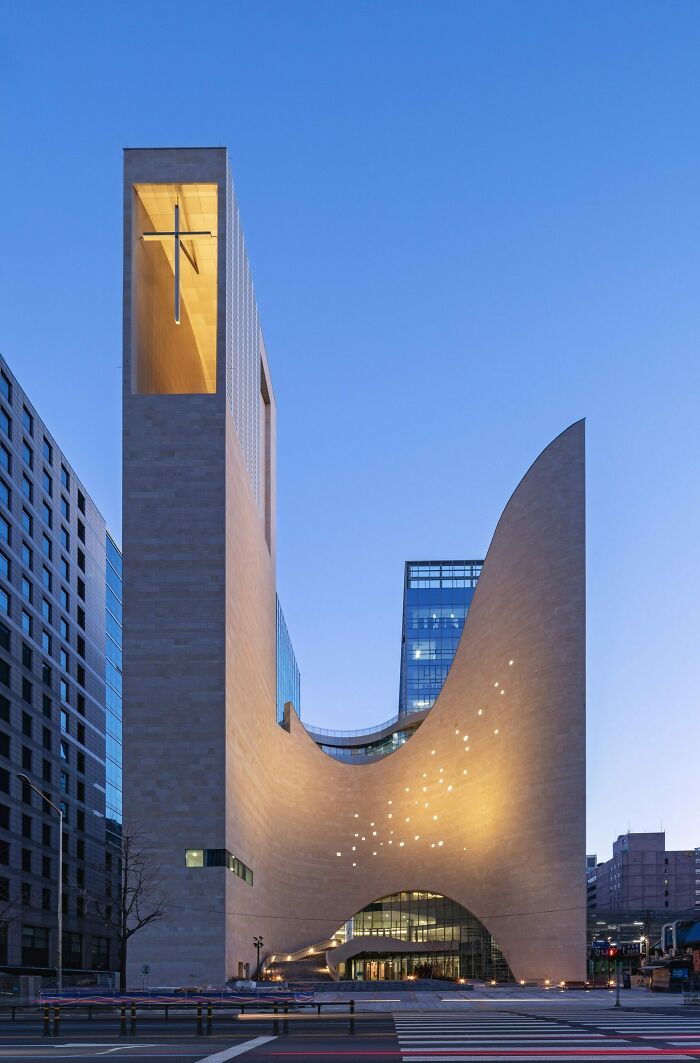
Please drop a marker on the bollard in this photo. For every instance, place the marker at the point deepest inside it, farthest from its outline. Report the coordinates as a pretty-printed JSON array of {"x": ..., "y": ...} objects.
[
  {"x": 56, "y": 1021},
  {"x": 47, "y": 1029},
  {"x": 209, "y": 1019},
  {"x": 352, "y": 1016},
  {"x": 122, "y": 1021},
  {"x": 276, "y": 1022},
  {"x": 285, "y": 1024},
  {"x": 132, "y": 1025},
  {"x": 200, "y": 1028}
]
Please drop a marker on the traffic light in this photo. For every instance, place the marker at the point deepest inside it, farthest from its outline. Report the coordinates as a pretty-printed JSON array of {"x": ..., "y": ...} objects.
[{"x": 613, "y": 952}]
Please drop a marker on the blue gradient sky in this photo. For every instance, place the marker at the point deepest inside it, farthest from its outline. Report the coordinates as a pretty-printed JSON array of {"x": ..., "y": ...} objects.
[{"x": 469, "y": 225}]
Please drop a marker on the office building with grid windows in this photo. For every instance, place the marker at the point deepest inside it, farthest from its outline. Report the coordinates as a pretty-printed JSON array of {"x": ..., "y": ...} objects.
[{"x": 55, "y": 592}]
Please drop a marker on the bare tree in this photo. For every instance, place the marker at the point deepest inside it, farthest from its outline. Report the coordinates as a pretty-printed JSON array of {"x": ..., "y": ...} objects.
[
  {"x": 140, "y": 899},
  {"x": 9, "y": 911}
]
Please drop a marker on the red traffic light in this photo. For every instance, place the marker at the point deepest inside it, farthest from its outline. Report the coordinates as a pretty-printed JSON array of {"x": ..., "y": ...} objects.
[{"x": 613, "y": 952}]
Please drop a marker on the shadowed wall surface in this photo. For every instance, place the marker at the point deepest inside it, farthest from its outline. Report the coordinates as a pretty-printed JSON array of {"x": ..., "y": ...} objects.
[{"x": 486, "y": 802}]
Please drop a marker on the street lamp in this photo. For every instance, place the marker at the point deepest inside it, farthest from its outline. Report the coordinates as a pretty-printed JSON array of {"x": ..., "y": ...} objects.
[
  {"x": 59, "y": 948},
  {"x": 257, "y": 945}
]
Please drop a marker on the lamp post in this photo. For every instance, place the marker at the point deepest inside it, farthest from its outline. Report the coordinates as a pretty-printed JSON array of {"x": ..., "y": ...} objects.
[
  {"x": 59, "y": 948},
  {"x": 258, "y": 944}
]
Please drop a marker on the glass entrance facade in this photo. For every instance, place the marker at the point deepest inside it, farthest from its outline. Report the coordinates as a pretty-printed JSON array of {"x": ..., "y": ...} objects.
[{"x": 442, "y": 940}]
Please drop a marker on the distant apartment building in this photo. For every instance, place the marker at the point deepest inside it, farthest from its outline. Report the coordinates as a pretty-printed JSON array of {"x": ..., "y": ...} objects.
[
  {"x": 60, "y": 699},
  {"x": 643, "y": 875}
]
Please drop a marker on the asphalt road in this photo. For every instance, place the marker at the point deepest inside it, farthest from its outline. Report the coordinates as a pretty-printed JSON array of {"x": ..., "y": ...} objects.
[{"x": 512, "y": 1032}]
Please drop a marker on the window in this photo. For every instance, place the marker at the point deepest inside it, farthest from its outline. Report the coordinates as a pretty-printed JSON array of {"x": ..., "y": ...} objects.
[
  {"x": 27, "y": 487},
  {"x": 27, "y": 522},
  {"x": 65, "y": 507},
  {"x": 26, "y": 655},
  {"x": 46, "y": 642},
  {"x": 64, "y": 722},
  {"x": 46, "y": 545},
  {"x": 80, "y": 820},
  {"x": 4, "y": 781},
  {"x": 81, "y": 733},
  {"x": 46, "y": 867},
  {"x": 26, "y": 826},
  {"x": 4, "y": 709},
  {"x": 63, "y": 658},
  {"x": 46, "y": 514},
  {"x": 4, "y": 823},
  {"x": 46, "y": 899},
  {"x": 35, "y": 946},
  {"x": 81, "y": 566},
  {"x": 5, "y": 387},
  {"x": 81, "y": 617},
  {"x": 64, "y": 782},
  {"x": 26, "y": 725},
  {"x": 26, "y": 894},
  {"x": 64, "y": 750},
  {"x": 81, "y": 531},
  {"x": 46, "y": 610},
  {"x": 5, "y": 459},
  {"x": 80, "y": 790},
  {"x": 46, "y": 578},
  {"x": 4, "y": 637},
  {"x": 5, "y": 422},
  {"x": 4, "y": 530},
  {"x": 47, "y": 483},
  {"x": 46, "y": 704},
  {"x": 4, "y": 565},
  {"x": 27, "y": 421},
  {"x": 27, "y": 860},
  {"x": 4, "y": 745},
  {"x": 4, "y": 852},
  {"x": 81, "y": 502},
  {"x": 46, "y": 673},
  {"x": 48, "y": 451},
  {"x": 26, "y": 589},
  {"x": 46, "y": 738},
  {"x": 46, "y": 835},
  {"x": 27, "y": 555},
  {"x": 80, "y": 762},
  {"x": 65, "y": 477},
  {"x": 65, "y": 538},
  {"x": 26, "y": 758},
  {"x": 26, "y": 691},
  {"x": 81, "y": 589},
  {"x": 27, "y": 454},
  {"x": 65, "y": 630},
  {"x": 4, "y": 672},
  {"x": 65, "y": 572},
  {"x": 46, "y": 770},
  {"x": 5, "y": 496},
  {"x": 65, "y": 599},
  {"x": 26, "y": 622},
  {"x": 64, "y": 692}
]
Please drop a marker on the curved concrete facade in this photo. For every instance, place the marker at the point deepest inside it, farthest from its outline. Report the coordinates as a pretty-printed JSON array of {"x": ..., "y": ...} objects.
[{"x": 485, "y": 804}]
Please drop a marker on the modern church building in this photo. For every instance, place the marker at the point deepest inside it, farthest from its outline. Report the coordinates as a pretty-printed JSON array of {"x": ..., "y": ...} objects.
[{"x": 459, "y": 852}]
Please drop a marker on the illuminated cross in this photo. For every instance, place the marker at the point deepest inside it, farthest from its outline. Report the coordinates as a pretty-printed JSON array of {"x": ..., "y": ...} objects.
[{"x": 178, "y": 235}]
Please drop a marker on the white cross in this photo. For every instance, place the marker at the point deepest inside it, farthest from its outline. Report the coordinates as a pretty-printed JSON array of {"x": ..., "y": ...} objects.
[{"x": 178, "y": 234}]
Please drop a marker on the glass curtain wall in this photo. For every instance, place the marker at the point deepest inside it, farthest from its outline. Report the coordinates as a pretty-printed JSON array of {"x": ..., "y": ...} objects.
[
  {"x": 449, "y": 941},
  {"x": 437, "y": 596},
  {"x": 113, "y": 676}
]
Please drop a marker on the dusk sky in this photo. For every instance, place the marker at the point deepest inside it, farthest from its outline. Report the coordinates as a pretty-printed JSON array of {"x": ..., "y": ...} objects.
[{"x": 469, "y": 225}]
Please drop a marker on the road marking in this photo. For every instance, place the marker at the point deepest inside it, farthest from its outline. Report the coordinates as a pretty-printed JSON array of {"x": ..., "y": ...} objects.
[{"x": 238, "y": 1050}]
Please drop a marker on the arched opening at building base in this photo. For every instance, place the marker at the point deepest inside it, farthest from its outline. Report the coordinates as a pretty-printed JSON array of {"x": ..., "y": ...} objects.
[{"x": 417, "y": 934}]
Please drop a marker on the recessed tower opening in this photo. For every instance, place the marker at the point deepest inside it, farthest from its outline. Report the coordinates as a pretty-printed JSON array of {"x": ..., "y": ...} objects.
[{"x": 174, "y": 286}]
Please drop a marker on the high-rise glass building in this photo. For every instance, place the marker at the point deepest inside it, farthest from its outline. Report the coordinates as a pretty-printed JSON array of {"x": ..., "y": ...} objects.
[
  {"x": 436, "y": 600},
  {"x": 113, "y": 689},
  {"x": 56, "y": 586}
]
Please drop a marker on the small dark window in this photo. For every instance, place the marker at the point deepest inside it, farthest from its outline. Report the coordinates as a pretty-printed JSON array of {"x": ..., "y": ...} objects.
[{"x": 27, "y": 860}]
